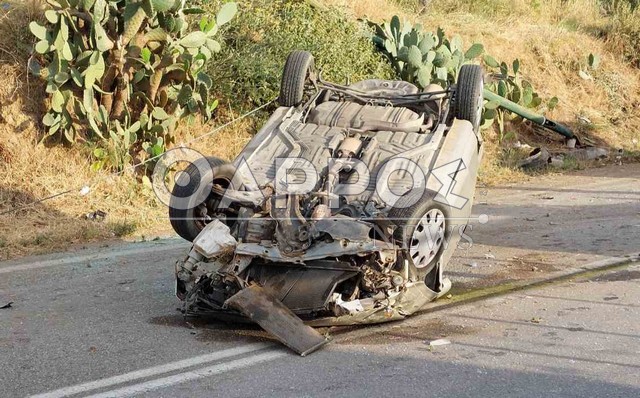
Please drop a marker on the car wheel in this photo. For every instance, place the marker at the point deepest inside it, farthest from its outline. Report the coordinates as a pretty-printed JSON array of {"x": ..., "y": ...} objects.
[
  {"x": 421, "y": 228},
  {"x": 295, "y": 78},
  {"x": 469, "y": 97},
  {"x": 188, "y": 223}
]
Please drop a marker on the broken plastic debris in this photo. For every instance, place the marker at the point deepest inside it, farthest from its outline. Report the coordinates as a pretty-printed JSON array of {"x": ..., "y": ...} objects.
[
  {"x": 520, "y": 145},
  {"x": 351, "y": 306},
  {"x": 85, "y": 191},
  {"x": 584, "y": 119},
  {"x": 96, "y": 215},
  {"x": 438, "y": 342},
  {"x": 590, "y": 153},
  {"x": 537, "y": 159},
  {"x": 557, "y": 161},
  {"x": 489, "y": 256},
  {"x": 8, "y": 305},
  {"x": 215, "y": 239}
]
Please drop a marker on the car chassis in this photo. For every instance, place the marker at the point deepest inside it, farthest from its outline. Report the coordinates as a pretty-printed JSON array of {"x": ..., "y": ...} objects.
[{"x": 343, "y": 250}]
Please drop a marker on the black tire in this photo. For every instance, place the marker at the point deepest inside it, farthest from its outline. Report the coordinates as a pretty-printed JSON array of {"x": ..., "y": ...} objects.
[
  {"x": 187, "y": 222},
  {"x": 406, "y": 215},
  {"x": 469, "y": 97},
  {"x": 294, "y": 78}
]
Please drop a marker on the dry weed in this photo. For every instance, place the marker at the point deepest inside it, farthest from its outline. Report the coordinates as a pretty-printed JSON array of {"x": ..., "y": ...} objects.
[{"x": 552, "y": 40}]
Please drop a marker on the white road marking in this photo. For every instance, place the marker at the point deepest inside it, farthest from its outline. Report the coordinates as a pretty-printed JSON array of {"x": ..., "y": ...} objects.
[
  {"x": 189, "y": 376},
  {"x": 153, "y": 371},
  {"x": 93, "y": 256}
]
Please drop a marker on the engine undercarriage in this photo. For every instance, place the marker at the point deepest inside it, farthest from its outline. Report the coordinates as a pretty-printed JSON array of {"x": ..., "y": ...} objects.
[{"x": 319, "y": 221}]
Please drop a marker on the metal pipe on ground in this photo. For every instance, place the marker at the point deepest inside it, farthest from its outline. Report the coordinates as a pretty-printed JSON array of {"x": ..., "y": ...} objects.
[{"x": 528, "y": 114}]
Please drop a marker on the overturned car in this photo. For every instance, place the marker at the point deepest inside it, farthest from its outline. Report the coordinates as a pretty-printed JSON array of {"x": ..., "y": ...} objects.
[{"x": 343, "y": 209}]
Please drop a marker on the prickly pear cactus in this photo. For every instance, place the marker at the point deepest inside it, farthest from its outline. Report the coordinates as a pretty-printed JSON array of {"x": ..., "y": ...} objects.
[
  {"x": 124, "y": 71},
  {"x": 422, "y": 57}
]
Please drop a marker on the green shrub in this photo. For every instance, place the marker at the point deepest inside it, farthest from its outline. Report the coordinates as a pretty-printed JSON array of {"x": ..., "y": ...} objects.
[
  {"x": 123, "y": 228},
  {"x": 122, "y": 73},
  {"x": 258, "y": 41}
]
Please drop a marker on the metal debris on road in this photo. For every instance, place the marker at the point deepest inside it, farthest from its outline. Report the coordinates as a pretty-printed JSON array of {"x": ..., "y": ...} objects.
[{"x": 273, "y": 316}]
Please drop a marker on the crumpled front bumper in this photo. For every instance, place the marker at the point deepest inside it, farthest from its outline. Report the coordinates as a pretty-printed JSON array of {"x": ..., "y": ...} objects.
[{"x": 217, "y": 261}]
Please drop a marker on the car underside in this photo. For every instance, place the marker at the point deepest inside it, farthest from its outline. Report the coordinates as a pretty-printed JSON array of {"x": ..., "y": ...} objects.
[{"x": 343, "y": 209}]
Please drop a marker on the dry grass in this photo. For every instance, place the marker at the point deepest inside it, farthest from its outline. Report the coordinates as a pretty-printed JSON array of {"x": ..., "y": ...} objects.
[
  {"x": 29, "y": 172},
  {"x": 552, "y": 40}
]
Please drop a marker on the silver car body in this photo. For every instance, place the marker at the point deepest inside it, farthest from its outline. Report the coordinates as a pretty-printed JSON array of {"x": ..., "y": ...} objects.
[{"x": 327, "y": 252}]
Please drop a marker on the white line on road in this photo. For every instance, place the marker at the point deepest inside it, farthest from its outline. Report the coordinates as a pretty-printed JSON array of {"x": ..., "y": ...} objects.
[
  {"x": 153, "y": 371},
  {"x": 169, "y": 381},
  {"x": 93, "y": 256}
]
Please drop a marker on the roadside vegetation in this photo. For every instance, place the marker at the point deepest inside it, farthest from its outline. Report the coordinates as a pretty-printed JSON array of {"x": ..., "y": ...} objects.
[
  {"x": 551, "y": 39},
  {"x": 258, "y": 42}
]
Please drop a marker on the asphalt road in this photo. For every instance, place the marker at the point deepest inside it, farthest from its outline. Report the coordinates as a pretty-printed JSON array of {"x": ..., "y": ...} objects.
[
  {"x": 551, "y": 223},
  {"x": 104, "y": 322}
]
